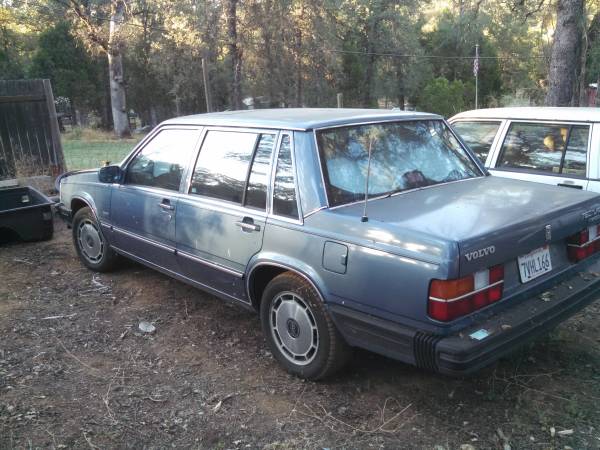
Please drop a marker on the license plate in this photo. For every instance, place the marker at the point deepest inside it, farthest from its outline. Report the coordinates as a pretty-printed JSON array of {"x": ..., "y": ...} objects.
[{"x": 534, "y": 264}]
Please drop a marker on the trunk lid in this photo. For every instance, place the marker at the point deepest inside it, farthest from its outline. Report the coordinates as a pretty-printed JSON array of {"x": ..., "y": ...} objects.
[{"x": 492, "y": 220}]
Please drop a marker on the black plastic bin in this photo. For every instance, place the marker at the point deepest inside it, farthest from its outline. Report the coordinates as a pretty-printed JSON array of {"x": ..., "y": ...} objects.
[{"x": 25, "y": 213}]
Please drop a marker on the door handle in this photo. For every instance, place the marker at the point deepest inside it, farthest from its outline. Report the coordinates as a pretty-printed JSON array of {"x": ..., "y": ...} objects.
[
  {"x": 574, "y": 186},
  {"x": 166, "y": 206},
  {"x": 248, "y": 225}
]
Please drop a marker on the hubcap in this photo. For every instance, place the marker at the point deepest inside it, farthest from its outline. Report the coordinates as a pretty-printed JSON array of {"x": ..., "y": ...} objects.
[
  {"x": 294, "y": 328},
  {"x": 90, "y": 241}
]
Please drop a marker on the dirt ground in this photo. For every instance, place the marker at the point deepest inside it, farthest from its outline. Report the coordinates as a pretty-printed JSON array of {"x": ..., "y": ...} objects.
[{"x": 75, "y": 372}]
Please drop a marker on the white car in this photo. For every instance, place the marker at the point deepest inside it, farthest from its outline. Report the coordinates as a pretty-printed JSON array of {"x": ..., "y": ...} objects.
[{"x": 549, "y": 145}]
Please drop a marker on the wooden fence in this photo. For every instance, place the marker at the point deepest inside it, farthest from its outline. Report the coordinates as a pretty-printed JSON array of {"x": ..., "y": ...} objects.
[{"x": 29, "y": 136}]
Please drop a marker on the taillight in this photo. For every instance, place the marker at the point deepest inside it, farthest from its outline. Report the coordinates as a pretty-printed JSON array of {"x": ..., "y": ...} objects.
[
  {"x": 449, "y": 299},
  {"x": 584, "y": 244}
]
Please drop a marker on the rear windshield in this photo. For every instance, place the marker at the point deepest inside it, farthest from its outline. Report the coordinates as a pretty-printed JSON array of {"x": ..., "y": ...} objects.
[{"x": 404, "y": 155}]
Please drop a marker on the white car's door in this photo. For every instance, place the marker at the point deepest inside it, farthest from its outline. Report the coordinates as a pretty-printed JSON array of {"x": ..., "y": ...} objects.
[{"x": 544, "y": 152}]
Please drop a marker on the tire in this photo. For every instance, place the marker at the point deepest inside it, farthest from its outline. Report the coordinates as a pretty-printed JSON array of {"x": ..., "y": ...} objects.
[
  {"x": 91, "y": 245},
  {"x": 298, "y": 329}
]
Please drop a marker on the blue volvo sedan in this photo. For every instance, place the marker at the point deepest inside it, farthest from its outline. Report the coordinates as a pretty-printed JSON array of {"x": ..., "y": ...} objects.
[{"x": 345, "y": 228}]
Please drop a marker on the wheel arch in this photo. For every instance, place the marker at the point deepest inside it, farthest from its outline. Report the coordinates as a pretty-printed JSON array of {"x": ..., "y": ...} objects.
[
  {"x": 79, "y": 201},
  {"x": 262, "y": 272}
]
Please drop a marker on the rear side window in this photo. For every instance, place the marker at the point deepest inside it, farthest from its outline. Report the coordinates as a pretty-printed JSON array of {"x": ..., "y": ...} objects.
[
  {"x": 547, "y": 148},
  {"x": 479, "y": 136},
  {"x": 284, "y": 191},
  {"x": 161, "y": 162},
  {"x": 222, "y": 165},
  {"x": 256, "y": 191}
]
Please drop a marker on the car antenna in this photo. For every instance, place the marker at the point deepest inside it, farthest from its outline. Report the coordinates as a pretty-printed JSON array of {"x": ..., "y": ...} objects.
[{"x": 364, "y": 217}]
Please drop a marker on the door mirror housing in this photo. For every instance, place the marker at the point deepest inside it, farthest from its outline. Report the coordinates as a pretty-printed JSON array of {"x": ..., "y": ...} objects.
[{"x": 110, "y": 174}]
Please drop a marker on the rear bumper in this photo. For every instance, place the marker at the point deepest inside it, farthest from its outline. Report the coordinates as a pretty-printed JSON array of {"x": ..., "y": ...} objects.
[{"x": 486, "y": 339}]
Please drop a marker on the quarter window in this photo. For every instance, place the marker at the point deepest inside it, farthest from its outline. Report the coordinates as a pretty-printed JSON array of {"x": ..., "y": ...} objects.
[
  {"x": 161, "y": 162},
  {"x": 222, "y": 165},
  {"x": 284, "y": 192},
  {"x": 256, "y": 191},
  {"x": 479, "y": 136},
  {"x": 576, "y": 155},
  {"x": 549, "y": 148}
]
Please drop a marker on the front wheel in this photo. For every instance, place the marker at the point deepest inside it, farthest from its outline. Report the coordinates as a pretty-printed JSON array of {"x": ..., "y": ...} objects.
[
  {"x": 298, "y": 329},
  {"x": 91, "y": 246}
]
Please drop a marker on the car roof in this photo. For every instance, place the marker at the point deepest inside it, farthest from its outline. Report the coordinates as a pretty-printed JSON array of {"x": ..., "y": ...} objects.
[
  {"x": 571, "y": 114},
  {"x": 298, "y": 118}
]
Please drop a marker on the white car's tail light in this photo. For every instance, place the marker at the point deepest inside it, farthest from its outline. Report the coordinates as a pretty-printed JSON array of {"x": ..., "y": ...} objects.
[{"x": 584, "y": 244}]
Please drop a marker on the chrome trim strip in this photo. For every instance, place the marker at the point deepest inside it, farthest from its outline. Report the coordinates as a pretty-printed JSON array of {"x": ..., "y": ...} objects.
[
  {"x": 321, "y": 168},
  {"x": 210, "y": 264},
  {"x": 450, "y": 300},
  {"x": 473, "y": 159},
  {"x": 407, "y": 191},
  {"x": 524, "y": 120},
  {"x": 400, "y": 118},
  {"x": 179, "y": 252},
  {"x": 282, "y": 266},
  {"x": 584, "y": 245},
  {"x": 314, "y": 211},
  {"x": 180, "y": 276},
  {"x": 300, "y": 220},
  {"x": 222, "y": 206},
  {"x": 143, "y": 239},
  {"x": 140, "y": 145},
  {"x": 236, "y": 127}
]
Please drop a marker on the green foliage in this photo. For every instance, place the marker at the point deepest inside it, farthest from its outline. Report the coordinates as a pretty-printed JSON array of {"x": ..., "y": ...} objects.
[
  {"x": 455, "y": 37},
  {"x": 443, "y": 97},
  {"x": 378, "y": 53},
  {"x": 73, "y": 72}
]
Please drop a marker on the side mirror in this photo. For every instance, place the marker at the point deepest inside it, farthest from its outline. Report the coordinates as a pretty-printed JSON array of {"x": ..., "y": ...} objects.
[{"x": 110, "y": 174}]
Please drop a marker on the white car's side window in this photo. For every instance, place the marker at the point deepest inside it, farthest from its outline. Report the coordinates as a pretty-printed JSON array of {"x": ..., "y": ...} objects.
[{"x": 545, "y": 148}]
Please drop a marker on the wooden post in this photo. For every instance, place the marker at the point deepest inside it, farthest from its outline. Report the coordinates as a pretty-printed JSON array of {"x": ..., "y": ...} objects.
[
  {"x": 59, "y": 158},
  {"x": 340, "y": 100},
  {"x": 206, "y": 86}
]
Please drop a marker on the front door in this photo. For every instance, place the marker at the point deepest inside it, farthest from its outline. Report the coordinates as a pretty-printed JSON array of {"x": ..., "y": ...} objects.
[
  {"x": 143, "y": 208},
  {"x": 221, "y": 219}
]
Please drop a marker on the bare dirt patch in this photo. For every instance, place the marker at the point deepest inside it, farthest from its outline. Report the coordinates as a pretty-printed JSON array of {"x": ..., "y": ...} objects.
[{"x": 75, "y": 372}]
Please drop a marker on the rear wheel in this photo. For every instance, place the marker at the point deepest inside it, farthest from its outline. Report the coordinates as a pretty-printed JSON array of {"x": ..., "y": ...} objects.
[
  {"x": 91, "y": 246},
  {"x": 298, "y": 329}
]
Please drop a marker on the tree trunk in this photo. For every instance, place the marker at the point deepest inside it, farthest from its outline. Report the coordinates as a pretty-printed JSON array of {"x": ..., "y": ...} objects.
[
  {"x": 565, "y": 61},
  {"x": 298, "y": 56},
  {"x": 235, "y": 55},
  {"x": 115, "y": 71},
  {"x": 369, "y": 100}
]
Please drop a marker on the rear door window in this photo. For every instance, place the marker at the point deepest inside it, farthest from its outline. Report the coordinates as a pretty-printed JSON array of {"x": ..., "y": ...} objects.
[
  {"x": 222, "y": 165},
  {"x": 479, "y": 136},
  {"x": 546, "y": 148}
]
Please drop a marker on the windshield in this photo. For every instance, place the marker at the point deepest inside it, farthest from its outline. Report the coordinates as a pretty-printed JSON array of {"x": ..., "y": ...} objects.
[{"x": 404, "y": 155}]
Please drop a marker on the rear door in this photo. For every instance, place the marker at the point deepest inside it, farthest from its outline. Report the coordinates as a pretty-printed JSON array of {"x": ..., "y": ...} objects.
[
  {"x": 221, "y": 218},
  {"x": 143, "y": 208},
  {"x": 544, "y": 152}
]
